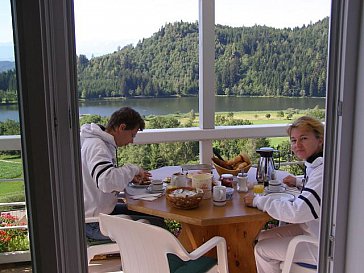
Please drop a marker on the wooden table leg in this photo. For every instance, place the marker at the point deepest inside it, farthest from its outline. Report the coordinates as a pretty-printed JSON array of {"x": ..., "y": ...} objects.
[
  {"x": 239, "y": 237},
  {"x": 191, "y": 239}
]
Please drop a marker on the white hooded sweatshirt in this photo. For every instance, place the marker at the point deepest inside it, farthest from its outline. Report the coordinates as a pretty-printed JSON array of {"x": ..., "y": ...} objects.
[
  {"x": 102, "y": 179},
  {"x": 306, "y": 208}
]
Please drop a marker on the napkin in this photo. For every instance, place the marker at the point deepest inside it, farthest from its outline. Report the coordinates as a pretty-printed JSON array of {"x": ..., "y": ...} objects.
[{"x": 146, "y": 197}]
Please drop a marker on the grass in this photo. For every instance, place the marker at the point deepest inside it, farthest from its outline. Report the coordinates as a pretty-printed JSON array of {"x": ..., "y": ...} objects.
[
  {"x": 255, "y": 117},
  {"x": 12, "y": 191},
  {"x": 11, "y": 168}
]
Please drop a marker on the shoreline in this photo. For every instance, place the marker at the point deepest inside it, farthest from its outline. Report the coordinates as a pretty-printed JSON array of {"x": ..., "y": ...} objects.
[{"x": 172, "y": 97}]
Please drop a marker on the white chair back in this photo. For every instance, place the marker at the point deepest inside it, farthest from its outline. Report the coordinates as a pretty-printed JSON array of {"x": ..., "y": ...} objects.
[
  {"x": 101, "y": 249},
  {"x": 144, "y": 246}
]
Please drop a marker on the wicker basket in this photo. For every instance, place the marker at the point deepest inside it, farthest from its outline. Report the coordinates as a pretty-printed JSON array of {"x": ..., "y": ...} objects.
[
  {"x": 221, "y": 170},
  {"x": 184, "y": 202}
]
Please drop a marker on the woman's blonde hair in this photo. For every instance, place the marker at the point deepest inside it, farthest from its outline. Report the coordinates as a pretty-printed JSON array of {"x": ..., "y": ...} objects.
[{"x": 308, "y": 123}]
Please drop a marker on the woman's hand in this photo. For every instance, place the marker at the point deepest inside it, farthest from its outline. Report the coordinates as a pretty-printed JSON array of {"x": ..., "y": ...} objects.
[
  {"x": 290, "y": 181},
  {"x": 248, "y": 199}
]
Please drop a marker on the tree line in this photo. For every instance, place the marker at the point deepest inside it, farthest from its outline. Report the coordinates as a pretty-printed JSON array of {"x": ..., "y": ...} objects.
[{"x": 250, "y": 61}]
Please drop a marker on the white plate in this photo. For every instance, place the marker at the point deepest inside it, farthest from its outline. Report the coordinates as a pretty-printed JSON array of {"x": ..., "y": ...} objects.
[
  {"x": 149, "y": 189},
  {"x": 131, "y": 184},
  {"x": 281, "y": 196},
  {"x": 281, "y": 189}
]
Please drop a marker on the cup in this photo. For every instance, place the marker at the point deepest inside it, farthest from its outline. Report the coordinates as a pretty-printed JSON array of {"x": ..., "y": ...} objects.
[
  {"x": 274, "y": 186},
  {"x": 258, "y": 189},
  {"x": 203, "y": 181},
  {"x": 178, "y": 180},
  {"x": 219, "y": 196},
  {"x": 156, "y": 185}
]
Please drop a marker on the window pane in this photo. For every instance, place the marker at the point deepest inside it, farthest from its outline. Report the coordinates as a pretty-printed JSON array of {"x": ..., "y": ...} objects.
[
  {"x": 271, "y": 58},
  {"x": 141, "y": 54},
  {"x": 12, "y": 198}
]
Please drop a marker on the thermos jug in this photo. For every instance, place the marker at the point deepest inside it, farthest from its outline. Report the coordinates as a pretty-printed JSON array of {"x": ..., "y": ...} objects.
[{"x": 266, "y": 166}]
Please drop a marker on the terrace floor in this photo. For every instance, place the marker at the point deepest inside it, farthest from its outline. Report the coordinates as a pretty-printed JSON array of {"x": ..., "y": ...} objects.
[{"x": 111, "y": 264}]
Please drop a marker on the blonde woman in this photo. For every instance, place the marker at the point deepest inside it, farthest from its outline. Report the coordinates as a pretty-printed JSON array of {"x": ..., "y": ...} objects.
[{"x": 306, "y": 136}]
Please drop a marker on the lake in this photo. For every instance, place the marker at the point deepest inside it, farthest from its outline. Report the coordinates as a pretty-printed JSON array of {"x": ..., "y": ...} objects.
[{"x": 163, "y": 106}]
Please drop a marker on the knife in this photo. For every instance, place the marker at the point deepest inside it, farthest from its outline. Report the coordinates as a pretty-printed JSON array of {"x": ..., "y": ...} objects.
[{"x": 145, "y": 195}]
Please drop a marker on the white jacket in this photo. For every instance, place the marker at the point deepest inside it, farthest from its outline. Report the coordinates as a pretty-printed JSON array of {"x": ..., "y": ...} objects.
[
  {"x": 102, "y": 179},
  {"x": 306, "y": 208}
]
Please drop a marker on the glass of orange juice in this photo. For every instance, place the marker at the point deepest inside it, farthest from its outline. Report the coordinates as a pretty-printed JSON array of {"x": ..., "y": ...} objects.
[{"x": 258, "y": 189}]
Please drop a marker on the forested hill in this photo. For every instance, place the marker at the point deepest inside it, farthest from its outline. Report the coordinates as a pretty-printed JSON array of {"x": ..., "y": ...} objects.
[
  {"x": 6, "y": 65},
  {"x": 258, "y": 60}
]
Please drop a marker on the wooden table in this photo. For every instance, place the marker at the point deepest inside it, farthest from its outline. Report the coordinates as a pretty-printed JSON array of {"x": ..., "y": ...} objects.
[{"x": 238, "y": 224}]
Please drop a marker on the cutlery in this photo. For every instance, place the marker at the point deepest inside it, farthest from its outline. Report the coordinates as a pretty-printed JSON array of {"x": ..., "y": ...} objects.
[{"x": 149, "y": 195}]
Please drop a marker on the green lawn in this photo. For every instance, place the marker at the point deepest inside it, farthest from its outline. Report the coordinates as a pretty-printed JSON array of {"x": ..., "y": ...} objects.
[
  {"x": 271, "y": 121},
  {"x": 12, "y": 191},
  {"x": 11, "y": 168}
]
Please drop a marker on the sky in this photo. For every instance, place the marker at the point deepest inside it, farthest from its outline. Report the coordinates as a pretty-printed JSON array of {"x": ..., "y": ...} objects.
[{"x": 101, "y": 26}]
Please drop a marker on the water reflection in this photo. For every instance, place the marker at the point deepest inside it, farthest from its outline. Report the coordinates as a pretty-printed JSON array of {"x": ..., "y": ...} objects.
[{"x": 163, "y": 106}]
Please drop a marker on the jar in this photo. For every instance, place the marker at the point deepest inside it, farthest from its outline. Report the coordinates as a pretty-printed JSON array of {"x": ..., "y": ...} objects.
[
  {"x": 227, "y": 180},
  {"x": 242, "y": 185}
]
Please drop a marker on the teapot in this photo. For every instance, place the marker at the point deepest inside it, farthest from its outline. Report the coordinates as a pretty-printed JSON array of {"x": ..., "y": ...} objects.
[{"x": 266, "y": 166}]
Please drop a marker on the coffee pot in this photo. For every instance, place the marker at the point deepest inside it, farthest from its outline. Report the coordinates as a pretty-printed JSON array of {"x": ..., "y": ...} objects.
[{"x": 266, "y": 166}]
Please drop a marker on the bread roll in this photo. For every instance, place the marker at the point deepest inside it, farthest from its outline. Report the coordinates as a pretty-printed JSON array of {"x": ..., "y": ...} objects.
[
  {"x": 245, "y": 158},
  {"x": 241, "y": 166},
  {"x": 222, "y": 163},
  {"x": 235, "y": 161}
]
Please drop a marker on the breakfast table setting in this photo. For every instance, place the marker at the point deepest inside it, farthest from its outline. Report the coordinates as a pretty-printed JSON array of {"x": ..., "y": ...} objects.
[{"x": 205, "y": 217}]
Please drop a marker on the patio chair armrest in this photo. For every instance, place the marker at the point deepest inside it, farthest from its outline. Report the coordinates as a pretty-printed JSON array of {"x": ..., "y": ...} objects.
[
  {"x": 216, "y": 241},
  {"x": 91, "y": 220},
  {"x": 95, "y": 219}
]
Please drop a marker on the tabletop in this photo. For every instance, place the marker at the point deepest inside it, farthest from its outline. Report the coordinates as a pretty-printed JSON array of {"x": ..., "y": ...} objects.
[
  {"x": 206, "y": 214},
  {"x": 238, "y": 224}
]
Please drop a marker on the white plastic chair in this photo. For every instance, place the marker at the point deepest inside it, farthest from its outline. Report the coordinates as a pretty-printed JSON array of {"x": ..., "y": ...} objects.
[
  {"x": 103, "y": 248},
  {"x": 108, "y": 247},
  {"x": 288, "y": 266},
  {"x": 145, "y": 247}
]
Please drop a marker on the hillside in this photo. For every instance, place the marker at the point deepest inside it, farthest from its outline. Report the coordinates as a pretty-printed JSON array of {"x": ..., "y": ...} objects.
[
  {"x": 258, "y": 60},
  {"x": 6, "y": 65},
  {"x": 250, "y": 61}
]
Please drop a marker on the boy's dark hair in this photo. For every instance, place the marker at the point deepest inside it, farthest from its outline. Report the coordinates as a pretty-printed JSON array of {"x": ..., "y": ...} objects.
[{"x": 127, "y": 116}]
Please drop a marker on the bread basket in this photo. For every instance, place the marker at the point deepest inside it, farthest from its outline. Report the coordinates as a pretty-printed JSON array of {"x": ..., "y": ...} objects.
[
  {"x": 221, "y": 170},
  {"x": 181, "y": 201}
]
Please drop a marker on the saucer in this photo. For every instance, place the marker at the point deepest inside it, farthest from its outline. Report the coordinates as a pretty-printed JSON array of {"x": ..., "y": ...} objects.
[
  {"x": 281, "y": 196},
  {"x": 281, "y": 189},
  {"x": 219, "y": 203},
  {"x": 150, "y": 190},
  {"x": 131, "y": 184}
]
